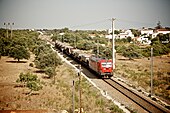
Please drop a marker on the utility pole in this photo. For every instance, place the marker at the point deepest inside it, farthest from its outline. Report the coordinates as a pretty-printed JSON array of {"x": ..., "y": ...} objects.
[
  {"x": 6, "y": 25},
  {"x": 151, "y": 71},
  {"x": 113, "y": 47},
  {"x": 79, "y": 74},
  {"x": 73, "y": 97},
  {"x": 76, "y": 43},
  {"x": 97, "y": 48},
  {"x": 11, "y": 28}
]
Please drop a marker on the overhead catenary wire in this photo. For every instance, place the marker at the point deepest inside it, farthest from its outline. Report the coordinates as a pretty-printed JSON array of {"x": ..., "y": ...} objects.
[
  {"x": 108, "y": 20},
  {"x": 133, "y": 21},
  {"x": 90, "y": 24}
]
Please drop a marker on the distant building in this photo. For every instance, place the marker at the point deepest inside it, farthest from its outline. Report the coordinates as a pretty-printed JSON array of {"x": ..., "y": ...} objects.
[
  {"x": 109, "y": 31},
  {"x": 92, "y": 35},
  {"x": 160, "y": 31},
  {"x": 146, "y": 32},
  {"x": 61, "y": 34},
  {"x": 108, "y": 36},
  {"x": 143, "y": 40},
  {"x": 125, "y": 34}
]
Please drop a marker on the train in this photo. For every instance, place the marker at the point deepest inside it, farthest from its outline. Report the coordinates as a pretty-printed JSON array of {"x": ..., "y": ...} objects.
[{"x": 101, "y": 66}]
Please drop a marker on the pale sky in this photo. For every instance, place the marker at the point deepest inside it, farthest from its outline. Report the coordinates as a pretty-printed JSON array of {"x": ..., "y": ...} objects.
[{"x": 84, "y": 14}]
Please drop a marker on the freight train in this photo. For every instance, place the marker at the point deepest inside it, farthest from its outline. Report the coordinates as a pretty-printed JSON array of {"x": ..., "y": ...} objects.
[{"x": 101, "y": 66}]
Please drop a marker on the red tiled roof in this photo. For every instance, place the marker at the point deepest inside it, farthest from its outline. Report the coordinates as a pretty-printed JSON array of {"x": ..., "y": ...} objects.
[{"x": 162, "y": 30}]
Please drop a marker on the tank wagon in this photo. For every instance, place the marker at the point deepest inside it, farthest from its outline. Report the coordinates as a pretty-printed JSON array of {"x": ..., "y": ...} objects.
[{"x": 101, "y": 66}]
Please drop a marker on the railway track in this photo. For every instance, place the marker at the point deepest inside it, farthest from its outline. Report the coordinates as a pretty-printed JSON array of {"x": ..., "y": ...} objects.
[{"x": 142, "y": 101}]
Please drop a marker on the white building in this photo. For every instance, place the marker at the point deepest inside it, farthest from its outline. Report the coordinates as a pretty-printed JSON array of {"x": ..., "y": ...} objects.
[
  {"x": 108, "y": 36},
  {"x": 143, "y": 40},
  {"x": 146, "y": 32},
  {"x": 125, "y": 34},
  {"x": 160, "y": 31}
]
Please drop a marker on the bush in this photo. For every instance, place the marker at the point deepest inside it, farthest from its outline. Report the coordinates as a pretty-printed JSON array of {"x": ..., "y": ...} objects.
[
  {"x": 131, "y": 51},
  {"x": 31, "y": 65},
  {"x": 50, "y": 71},
  {"x": 30, "y": 80},
  {"x": 34, "y": 86},
  {"x": 27, "y": 77},
  {"x": 50, "y": 59}
]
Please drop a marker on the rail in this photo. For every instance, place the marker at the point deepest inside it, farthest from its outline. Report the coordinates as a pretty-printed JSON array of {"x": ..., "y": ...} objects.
[{"x": 142, "y": 101}]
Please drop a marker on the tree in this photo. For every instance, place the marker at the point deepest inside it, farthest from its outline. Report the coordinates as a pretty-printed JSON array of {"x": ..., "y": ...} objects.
[
  {"x": 5, "y": 46},
  {"x": 132, "y": 51},
  {"x": 50, "y": 71},
  {"x": 19, "y": 52},
  {"x": 129, "y": 39},
  {"x": 31, "y": 81},
  {"x": 45, "y": 60},
  {"x": 158, "y": 25},
  {"x": 117, "y": 32},
  {"x": 55, "y": 37},
  {"x": 135, "y": 32},
  {"x": 42, "y": 48},
  {"x": 33, "y": 86}
]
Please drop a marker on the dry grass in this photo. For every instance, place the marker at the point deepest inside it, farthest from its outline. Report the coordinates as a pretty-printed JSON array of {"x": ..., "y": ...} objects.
[
  {"x": 53, "y": 97},
  {"x": 137, "y": 72}
]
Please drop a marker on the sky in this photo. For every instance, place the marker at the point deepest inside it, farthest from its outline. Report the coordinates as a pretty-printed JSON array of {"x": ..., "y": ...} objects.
[{"x": 84, "y": 14}]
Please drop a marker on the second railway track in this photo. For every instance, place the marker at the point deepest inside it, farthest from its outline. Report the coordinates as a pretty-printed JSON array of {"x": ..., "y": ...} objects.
[{"x": 142, "y": 101}]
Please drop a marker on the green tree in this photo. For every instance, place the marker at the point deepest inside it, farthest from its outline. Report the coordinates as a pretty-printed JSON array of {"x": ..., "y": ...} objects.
[
  {"x": 43, "y": 61},
  {"x": 132, "y": 51},
  {"x": 158, "y": 25},
  {"x": 19, "y": 52},
  {"x": 50, "y": 71},
  {"x": 129, "y": 39},
  {"x": 41, "y": 48},
  {"x": 55, "y": 37},
  {"x": 5, "y": 46},
  {"x": 31, "y": 81},
  {"x": 24, "y": 78},
  {"x": 135, "y": 32},
  {"x": 117, "y": 32},
  {"x": 33, "y": 86}
]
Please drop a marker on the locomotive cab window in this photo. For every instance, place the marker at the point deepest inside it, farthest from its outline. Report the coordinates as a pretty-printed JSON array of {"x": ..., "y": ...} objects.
[{"x": 106, "y": 64}]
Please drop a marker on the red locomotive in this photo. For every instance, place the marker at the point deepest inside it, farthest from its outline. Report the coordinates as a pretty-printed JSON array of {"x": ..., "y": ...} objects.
[{"x": 101, "y": 66}]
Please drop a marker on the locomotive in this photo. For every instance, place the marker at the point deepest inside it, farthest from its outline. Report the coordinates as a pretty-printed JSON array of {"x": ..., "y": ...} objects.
[{"x": 101, "y": 66}]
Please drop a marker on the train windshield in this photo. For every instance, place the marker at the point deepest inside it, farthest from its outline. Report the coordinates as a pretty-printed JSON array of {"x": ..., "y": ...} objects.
[{"x": 106, "y": 64}]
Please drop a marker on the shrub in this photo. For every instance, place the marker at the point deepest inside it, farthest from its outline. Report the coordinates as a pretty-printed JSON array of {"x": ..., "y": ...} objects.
[
  {"x": 50, "y": 71},
  {"x": 27, "y": 77},
  {"x": 30, "y": 80},
  {"x": 34, "y": 86},
  {"x": 31, "y": 65},
  {"x": 50, "y": 59}
]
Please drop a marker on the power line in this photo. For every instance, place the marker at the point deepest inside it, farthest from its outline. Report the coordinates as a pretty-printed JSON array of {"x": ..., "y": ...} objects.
[
  {"x": 109, "y": 20},
  {"x": 134, "y": 21},
  {"x": 89, "y": 24}
]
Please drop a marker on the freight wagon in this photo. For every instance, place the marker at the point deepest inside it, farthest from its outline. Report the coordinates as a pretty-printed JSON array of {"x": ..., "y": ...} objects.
[{"x": 101, "y": 66}]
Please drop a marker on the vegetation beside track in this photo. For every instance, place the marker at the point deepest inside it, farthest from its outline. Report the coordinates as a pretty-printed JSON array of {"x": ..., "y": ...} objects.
[
  {"x": 132, "y": 53},
  {"x": 54, "y": 95}
]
